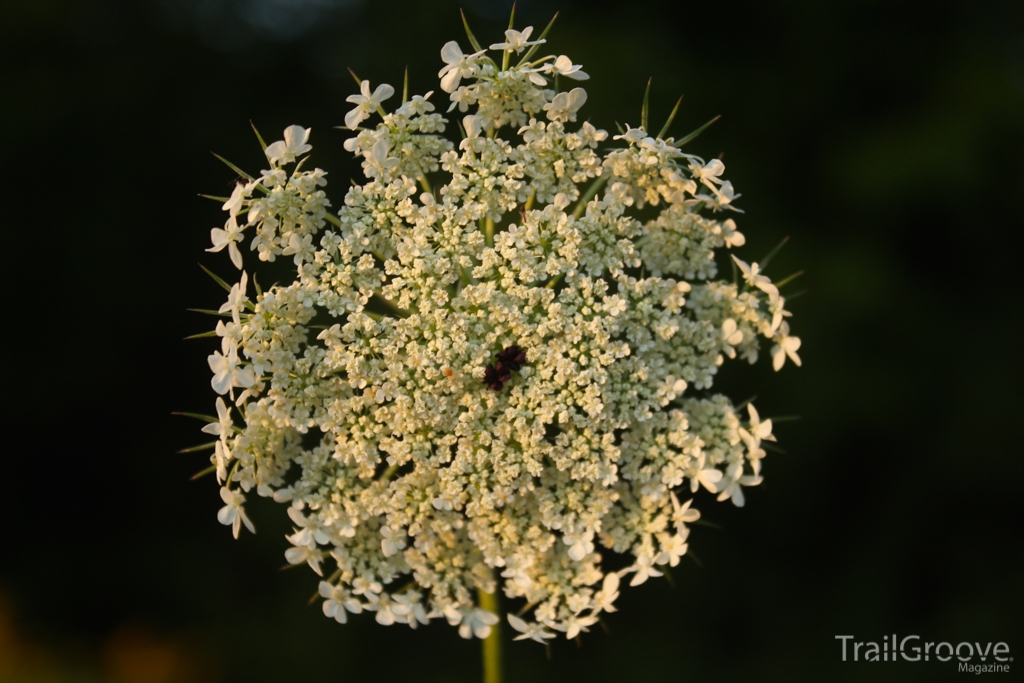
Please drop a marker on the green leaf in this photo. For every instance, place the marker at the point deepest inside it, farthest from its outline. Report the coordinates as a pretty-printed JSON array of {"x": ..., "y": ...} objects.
[
  {"x": 697, "y": 132},
  {"x": 202, "y": 473},
  {"x": 671, "y": 117},
  {"x": 740, "y": 406},
  {"x": 788, "y": 279},
  {"x": 209, "y": 311},
  {"x": 763, "y": 263},
  {"x": 258, "y": 136},
  {"x": 544, "y": 34},
  {"x": 405, "y": 87},
  {"x": 786, "y": 418},
  {"x": 645, "y": 111},
  {"x": 595, "y": 186},
  {"x": 232, "y": 166},
  {"x": 215, "y": 198},
  {"x": 506, "y": 55},
  {"x": 198, "y": 416},
  {"x": 704, "y": 522},
  {"x": 201, "y": 335},
  {"x": 469, "y": 33},
  {"x": 216, "y": 279},
  {"x": 359, "y": 81},
  {"x": 200, "y": 447}
]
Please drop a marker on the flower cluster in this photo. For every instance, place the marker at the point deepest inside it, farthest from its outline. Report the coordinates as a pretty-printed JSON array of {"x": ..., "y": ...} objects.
[{"x": 490, "y": 370}]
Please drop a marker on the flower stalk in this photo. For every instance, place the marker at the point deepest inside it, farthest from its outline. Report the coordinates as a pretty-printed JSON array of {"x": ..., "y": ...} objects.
[{"x": 492, "y": 643}]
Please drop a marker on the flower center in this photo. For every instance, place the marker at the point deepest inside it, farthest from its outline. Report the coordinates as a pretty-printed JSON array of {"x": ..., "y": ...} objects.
[{"x": 508, "y": 360}]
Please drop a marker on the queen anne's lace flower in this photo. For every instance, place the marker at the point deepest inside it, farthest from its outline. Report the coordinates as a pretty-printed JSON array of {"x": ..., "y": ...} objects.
[{"x": 495, "y": 382}]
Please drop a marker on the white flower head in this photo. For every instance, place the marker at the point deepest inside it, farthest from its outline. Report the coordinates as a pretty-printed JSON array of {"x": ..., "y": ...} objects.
[{"x": 489, "y": 364}]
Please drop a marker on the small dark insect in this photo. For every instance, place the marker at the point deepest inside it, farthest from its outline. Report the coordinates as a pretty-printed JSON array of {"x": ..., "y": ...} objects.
[
  {"x": 495, "y": 377},
  {"x": 512, "y": 357},
  {"x": 508, "y": 360}
]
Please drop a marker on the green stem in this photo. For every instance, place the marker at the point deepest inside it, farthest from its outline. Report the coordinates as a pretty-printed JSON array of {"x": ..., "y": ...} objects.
[
  {"x": 492, "y": 643},
  {"x": 489, "y": 232}
]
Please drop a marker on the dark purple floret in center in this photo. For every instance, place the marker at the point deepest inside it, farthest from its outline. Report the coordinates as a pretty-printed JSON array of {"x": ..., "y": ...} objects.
[{"x": 508, "y": 360}]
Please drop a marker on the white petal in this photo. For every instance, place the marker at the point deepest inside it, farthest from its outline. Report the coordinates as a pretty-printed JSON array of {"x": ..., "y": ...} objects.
[
  {"x": 383, "y": 92},
  {"x": 451, "y": 52},
  {"x": 517, "y": 623}
]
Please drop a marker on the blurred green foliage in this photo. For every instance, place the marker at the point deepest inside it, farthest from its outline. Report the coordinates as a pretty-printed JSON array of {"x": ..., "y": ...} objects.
[{"x": 885, "y": 138}]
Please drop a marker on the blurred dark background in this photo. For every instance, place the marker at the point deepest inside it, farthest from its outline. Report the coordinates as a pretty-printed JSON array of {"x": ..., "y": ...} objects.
[{"x": 885, "y": 138}]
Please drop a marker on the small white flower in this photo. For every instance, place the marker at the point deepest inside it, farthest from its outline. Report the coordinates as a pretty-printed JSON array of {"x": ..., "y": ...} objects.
[
  {"x": 673, "y": 548},
  {"x": 473, "y": 125},
  {"x": 392, "y": 541},
  {"x": 338, "y": 602},
  {"x": 632, "y": 135},
  {"x": 731, "y": 336},
  {"x": 221, "y": 428},
  {"x": 312, "y": 557},
  {"x": 228, "y": 372},
  {"x": 224, "y": 422},
  {"x": 233, "y": 514},
  {"x": 417, "y": 106},
  {"x": 752, "y": 274},
  {"x": 731, "y": 236},
  {"x": 531, "y": 631},
  {"x": 563, "y": 66},
  {"x": 409, "y": 609},
  {"x": 758, "y": 430},
  {"x": 644, "y": 569},
  {"x": 366, "y": 587},
  {"x": 575, "y": 624},
  {"x": 229, "y": 237},
  {"x": 734, "y": 482},
  {"x": 236, "y": 201},
  {"x": 605, "y": 599},
  {"x": 709, "y": 173},
  {"x": 236, "y": 298},
  {"x": 366, "y": 103},
  {"x": 477, "y": 622},
  {"x": 516, "y": 41},
  {"x": 294, "y": 145},
  {"x": 565, "y": 105},
  {"x": 457, "y": 66},
  {"x": 785, "y": 346},
  {"x": 579, "y": 546},
  {"x": 683, "y": 514}
]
